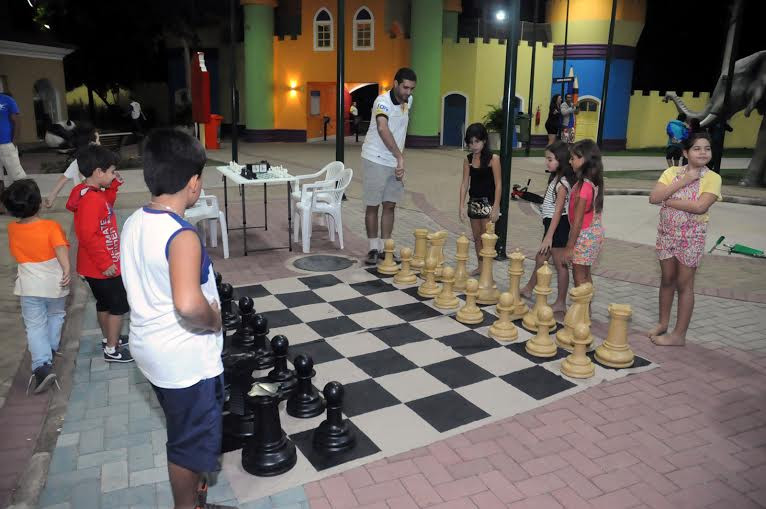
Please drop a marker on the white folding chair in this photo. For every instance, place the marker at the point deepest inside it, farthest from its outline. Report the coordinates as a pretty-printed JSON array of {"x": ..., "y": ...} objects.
[
  {"x": 330, "y": 207},
  {"x": 206, "y": 215}
]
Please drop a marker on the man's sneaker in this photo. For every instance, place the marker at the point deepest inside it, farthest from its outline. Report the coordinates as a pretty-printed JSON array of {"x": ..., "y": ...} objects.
[
  {"x": 372, "y": 257},
  {"x": 121, "y": 354},
  {"x": 43, "y": 378},
  {"x": 122, "y": 341},
  {"x": 382, "y": 256}
]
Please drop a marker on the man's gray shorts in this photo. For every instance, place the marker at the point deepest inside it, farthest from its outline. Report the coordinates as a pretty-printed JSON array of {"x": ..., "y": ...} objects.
[{"x": 380, "y": 184}]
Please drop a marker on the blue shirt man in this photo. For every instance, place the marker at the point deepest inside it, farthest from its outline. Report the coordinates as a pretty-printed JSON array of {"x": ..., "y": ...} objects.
[
  {"x": 9, "y": 154},
  {"x": 8, "y": 110},
  {"x": 677, "y": 132}
]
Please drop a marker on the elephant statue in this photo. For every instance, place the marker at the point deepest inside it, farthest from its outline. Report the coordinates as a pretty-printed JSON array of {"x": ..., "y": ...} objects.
[{"x": 748, "y": 93}]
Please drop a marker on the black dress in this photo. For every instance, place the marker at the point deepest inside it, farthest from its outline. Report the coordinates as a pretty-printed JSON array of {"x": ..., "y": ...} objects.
[{"x": 553, "y": 123}]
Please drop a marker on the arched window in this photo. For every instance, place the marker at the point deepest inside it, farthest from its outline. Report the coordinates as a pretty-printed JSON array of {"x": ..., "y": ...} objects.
[
  {"x": 323, "y": 37},
  {"x": 364, "y": 30},
  {"x": 588, "y": 105}
]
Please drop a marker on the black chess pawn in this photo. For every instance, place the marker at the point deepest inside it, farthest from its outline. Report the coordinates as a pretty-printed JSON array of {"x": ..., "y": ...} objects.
[
  {"x": 268, "y": 451},
  {"x": 281, "y": 374},
  {"x": 333, "y": 435},
  {"x": 264, "y": 358},
  {"x": 245, "y": 332},
  {"x": 306, "y": 401},
  {"x": 229, "y": 317}
]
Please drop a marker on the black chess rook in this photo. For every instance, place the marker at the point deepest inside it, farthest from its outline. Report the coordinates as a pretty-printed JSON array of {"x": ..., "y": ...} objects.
[
  {"x": 268, "y": 452},
  {"x": 333, "y": 435},
  {"x": 306, "y": 401}
]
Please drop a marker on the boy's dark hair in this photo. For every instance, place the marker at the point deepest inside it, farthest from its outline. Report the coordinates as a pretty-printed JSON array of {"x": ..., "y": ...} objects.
[
  {"x": 171, "y": 158},
  {"x": 91, "y": 157},
  {"x": 681, "y": 117},
  {"x": 405, "y": 73},
  {"x": 22, "y": 198}
]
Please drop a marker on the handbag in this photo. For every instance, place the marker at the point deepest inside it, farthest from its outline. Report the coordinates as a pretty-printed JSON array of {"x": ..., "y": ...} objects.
[{"x": 479, "y": 208}]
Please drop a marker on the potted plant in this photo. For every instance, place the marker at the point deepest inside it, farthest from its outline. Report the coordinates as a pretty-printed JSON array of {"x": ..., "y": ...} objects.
[{"x": 493, "y": 121}]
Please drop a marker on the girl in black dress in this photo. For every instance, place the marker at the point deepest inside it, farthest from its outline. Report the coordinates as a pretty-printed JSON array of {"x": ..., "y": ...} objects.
[{"x": 553, "y": 122}]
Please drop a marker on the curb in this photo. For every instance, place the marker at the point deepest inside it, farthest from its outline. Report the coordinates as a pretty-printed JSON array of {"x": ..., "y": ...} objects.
[{"x": 742, "y": 200}]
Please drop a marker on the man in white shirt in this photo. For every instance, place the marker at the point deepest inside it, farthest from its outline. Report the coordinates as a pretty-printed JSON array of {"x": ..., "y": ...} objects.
[
  {"x": 382, "y": 159},
  {"x": 136, "y": 115}
]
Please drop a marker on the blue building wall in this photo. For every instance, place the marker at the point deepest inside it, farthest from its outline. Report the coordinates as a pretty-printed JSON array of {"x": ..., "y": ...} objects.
[{"x": 590, "y": 78}]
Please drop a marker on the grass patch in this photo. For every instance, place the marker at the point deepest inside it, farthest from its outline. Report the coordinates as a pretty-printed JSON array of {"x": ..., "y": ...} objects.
[{"x": 729, "y": 177}]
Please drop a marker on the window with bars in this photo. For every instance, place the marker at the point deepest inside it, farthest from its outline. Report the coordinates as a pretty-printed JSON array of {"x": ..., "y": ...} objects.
[
  {"x": 364, "y": 30},
  {"x": 323, "y": 39}
]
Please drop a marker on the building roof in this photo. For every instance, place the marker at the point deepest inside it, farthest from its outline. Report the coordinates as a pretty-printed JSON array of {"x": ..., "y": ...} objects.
[{"x": 34, "y": 46}]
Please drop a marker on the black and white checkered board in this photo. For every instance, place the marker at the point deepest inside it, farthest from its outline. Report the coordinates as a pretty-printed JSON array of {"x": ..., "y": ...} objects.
[{"x": 412, "y": 373}]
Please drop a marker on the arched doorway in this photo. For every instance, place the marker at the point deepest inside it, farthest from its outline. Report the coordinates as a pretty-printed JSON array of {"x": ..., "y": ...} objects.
[
  {"x": 46, "y": 106},
  {"x": 587, "y": 119},
  {"x": 364, "y": 96},
  {"x": 454, "y": 110}
]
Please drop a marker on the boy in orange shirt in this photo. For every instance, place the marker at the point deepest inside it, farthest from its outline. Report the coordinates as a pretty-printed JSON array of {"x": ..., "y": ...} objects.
[{"x": 41, "y": 249}]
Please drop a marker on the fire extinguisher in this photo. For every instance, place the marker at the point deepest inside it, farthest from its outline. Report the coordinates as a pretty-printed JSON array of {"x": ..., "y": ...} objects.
[{"x": 537, "y": 117}]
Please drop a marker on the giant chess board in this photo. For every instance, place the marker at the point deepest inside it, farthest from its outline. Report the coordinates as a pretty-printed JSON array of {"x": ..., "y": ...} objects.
[{"x": 412, "y": 373}]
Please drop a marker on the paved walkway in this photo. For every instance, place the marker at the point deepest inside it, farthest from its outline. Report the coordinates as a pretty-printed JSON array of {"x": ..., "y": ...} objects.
[{"x": 690, "y": 434}]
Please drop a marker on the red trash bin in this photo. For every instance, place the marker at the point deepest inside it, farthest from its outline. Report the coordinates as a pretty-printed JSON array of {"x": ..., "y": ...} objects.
[{"x": 212, "y": 129}]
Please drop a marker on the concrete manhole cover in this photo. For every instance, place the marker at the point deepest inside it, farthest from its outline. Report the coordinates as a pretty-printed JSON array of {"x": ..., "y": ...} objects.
[{"x": 323, "y": 263}]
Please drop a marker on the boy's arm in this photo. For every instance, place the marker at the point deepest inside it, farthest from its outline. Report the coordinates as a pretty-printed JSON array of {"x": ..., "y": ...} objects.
[
  {"x": 90, "y": 237},
  {"x": 55, "y": 191},
  {"x": 184, "y": 259},
  {"x": 62, "y": 255},
  {"x": 110, "y": 193}
]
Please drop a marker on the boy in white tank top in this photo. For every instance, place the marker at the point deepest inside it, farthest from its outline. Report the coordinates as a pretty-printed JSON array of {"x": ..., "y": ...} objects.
[{"x": 175, "y": 319}]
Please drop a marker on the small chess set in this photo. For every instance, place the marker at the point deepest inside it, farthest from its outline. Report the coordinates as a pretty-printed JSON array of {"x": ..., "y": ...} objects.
[{"x": 261, "y": 170}]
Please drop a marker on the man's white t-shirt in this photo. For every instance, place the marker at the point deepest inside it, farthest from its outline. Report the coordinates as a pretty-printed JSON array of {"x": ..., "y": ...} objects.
[
  {"x": 171, "y": 353},
  {"x": 398, "y": 116},
  {"x": 73, "y": 172},
  {"x": 135, "y": 110}
]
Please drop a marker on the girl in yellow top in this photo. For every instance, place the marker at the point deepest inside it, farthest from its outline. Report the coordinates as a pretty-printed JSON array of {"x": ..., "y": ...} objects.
[{"x": 685, "y": 193}]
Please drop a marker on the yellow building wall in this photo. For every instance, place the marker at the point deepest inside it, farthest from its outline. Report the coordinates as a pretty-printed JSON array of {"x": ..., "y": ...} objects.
[
  {"x": 21, "y": 74},
  {"x": 296, "y": 62},
  {"x": 478, "y": 70},
  {"x": 589, "y": 21},
  {"x": 649, "y": 115}
]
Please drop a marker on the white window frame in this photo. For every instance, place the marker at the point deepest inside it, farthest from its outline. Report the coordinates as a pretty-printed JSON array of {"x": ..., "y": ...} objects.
[
  {"x": 371, "y": 21},
  {"x": 317, "y": 24}
]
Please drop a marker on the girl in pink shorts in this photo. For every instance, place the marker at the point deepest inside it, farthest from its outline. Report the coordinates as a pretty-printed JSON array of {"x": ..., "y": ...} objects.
[
  {"x": 586, "y": 234},
  {"x": 685, "y": 194}
]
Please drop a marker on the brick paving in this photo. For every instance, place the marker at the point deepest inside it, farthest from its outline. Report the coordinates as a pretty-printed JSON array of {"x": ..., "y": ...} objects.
[{"x": 691, "y": 433}]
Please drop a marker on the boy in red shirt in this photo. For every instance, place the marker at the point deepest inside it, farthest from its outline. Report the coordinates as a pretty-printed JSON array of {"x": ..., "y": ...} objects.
[{"x": 98, "y": 253}]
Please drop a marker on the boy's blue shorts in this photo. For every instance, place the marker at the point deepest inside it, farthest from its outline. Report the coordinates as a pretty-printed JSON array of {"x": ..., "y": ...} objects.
[{"x": 195, "y": 423}]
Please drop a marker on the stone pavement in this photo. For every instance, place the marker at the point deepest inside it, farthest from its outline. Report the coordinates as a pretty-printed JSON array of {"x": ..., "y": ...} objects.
[{"x": 690, "y": 434}]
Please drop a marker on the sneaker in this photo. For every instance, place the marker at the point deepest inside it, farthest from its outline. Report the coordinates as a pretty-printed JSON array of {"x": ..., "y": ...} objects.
[
  {"x": 43, "y": 378},
  {"x": 372, "y": 257},
  {"x": 382, "y": 256},
  {"x": 121, "y": 354},
  {"x": 122, "y": 341}
]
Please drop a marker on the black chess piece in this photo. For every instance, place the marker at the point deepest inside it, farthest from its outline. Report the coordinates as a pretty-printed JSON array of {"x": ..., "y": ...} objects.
[
  {"x": 268, "y": 452},
  {"x": 281, "y": 373},
  {"x": 247, "y": 313},
  {"x": 229, "y": 318},
  {"x": 264, "y": 358},
  {"x": 333, "y": 435},
  {"x": 306, "y": 401}
]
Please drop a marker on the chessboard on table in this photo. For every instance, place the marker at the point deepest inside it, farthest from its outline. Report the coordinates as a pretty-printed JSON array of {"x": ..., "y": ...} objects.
[{"x": 412, "y": 373}]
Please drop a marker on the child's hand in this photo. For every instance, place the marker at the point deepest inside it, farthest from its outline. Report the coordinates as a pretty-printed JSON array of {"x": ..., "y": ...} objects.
[
  {"x": 48, "y": 201},
  {"x": 118, "y": 177},
  {"x": 494, "y": 214},
  {"x": 545, "y": 246},
  {"x": 65, "y": 278},
  {"x": 217, "y": 314},
  {"x": 568, "y": 255},
  {"x": 461, "y": 214},
  {"x": 111, "y": 271}
]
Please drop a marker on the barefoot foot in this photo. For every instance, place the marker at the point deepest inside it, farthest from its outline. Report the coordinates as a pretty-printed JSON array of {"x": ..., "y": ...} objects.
[
  {"x": 559, "y": 307},
  {"x": 526, "y": 293},
  {"x": 669, "y": 340},
  {"x": 476, "y": 271},
  {"x": 657, "y": 330}
]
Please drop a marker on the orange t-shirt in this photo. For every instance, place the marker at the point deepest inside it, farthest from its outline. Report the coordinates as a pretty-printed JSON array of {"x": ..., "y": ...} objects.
[{"x": 33, "y": 246}]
